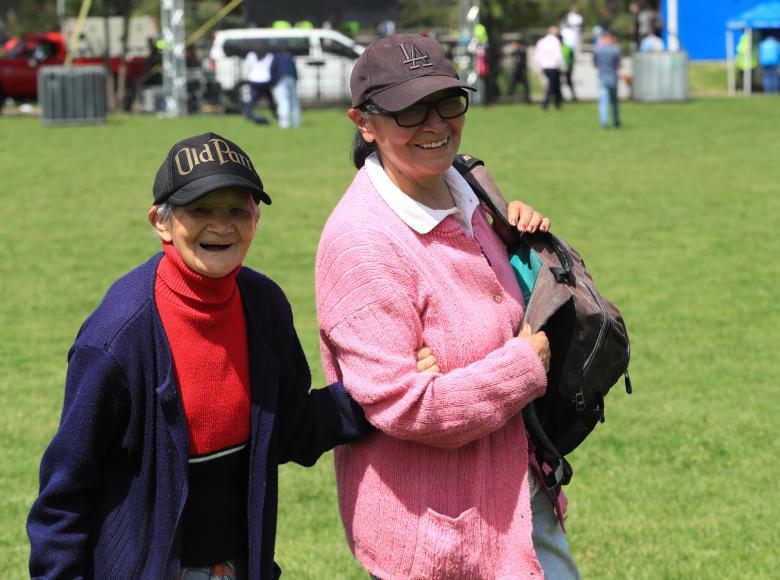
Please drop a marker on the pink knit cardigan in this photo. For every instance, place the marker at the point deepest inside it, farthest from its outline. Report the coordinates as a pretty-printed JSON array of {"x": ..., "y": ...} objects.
[{"x": 442, "y": 490}]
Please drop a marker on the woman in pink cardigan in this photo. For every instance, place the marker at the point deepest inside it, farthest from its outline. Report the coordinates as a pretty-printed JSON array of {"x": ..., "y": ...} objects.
[{"x": 407, "y": 258}]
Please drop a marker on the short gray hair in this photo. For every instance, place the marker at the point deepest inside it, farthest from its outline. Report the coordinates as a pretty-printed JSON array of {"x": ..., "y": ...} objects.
[
  {"x": 165, "y": 211},
  {"x": 164, "y": 214}
]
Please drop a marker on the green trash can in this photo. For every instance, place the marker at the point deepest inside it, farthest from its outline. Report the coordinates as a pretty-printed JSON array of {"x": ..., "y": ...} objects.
[{"x": 72, "y": 95}]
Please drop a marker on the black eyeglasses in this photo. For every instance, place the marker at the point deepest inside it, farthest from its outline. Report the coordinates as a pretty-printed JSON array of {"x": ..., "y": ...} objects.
[{"x": 448, "y": 108}]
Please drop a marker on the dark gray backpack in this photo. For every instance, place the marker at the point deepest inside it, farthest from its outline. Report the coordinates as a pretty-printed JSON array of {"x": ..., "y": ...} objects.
[{"x": 589, "y": 343}]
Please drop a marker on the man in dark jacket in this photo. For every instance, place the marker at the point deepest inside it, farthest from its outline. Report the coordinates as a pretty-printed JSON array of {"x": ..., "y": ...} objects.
[{"x": 284, "y": 86}]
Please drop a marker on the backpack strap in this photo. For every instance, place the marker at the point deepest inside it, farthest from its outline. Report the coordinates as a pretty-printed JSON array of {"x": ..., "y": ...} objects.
[
  {"x": 486, "y": 189},
  {"x": 558, "y": 471},
  {"x": 476, "y": 175}
]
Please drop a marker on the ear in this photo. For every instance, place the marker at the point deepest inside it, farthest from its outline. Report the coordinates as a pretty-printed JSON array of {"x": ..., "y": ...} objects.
[
  {"x": 363, "y": 125},
  {"x": 163, "y": 229}
]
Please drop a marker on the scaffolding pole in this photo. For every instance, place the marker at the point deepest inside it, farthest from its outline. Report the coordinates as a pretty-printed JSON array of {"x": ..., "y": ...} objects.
[{"x": 173, "y": 57}]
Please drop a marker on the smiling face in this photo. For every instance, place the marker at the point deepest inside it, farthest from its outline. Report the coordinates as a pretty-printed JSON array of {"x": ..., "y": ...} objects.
[
  {"x": 414, "y": 157},
  {"x": 212, "y": 234}
]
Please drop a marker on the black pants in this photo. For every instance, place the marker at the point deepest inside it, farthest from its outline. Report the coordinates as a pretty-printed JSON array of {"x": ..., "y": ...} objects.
[
  {"x": 553, "y": 92},
  {"x": 259, "y": 91},
  {"x": 520, "y": 77},
  {"x": 568, "y": 76}
]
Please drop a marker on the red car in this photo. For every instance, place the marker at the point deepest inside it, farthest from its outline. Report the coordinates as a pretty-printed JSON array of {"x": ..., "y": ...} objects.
[{"x": 23, "y": 55}]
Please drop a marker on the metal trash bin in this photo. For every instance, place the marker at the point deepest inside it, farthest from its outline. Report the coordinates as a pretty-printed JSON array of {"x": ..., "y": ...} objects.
[
  {"x": 72, "y": 95},
  {"x": 660, "y": 76}
]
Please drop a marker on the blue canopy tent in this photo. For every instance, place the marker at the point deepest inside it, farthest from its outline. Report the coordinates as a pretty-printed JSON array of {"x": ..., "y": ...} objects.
[{"x": 765, "y": 16}]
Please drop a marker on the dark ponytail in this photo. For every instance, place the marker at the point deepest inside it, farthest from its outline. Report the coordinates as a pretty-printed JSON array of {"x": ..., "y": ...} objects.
[{"x": 361, "y": 149}]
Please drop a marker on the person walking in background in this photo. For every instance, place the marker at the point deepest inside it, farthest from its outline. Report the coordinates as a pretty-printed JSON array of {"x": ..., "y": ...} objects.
[
  {"x": 519, "y": 56},
  {"x": 258, "y": 75},
  {"x": 633, "y": 10},
  {"x": 652, "y": 43},
  {"x": 607, "y": 57},
  {"x": 548, "y": 58},
  {"x": 568, "y": 49},
  {"x": 746, "y": 61},
  {"x": 768, "y": 60},
  {"x": 647, "y": 21},
  {"x": 574, "y": 21},
  {"x": 284, "y": 86}
]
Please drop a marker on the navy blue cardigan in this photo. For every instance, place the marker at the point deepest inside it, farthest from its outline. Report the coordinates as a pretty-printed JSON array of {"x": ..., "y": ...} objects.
[{"x": 113, "y": 481}]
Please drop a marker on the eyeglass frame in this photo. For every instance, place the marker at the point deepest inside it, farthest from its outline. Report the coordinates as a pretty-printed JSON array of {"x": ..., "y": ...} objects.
[{"x": 373, "y": 108}]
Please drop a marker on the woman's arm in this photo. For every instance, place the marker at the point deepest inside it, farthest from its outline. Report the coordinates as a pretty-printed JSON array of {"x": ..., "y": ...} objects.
[
  {"x": 314, "y": 421},
  {"x": 310, "y": 421},
  {"x": 370, "y": 331},
  {"x": 374, "y": 350}
]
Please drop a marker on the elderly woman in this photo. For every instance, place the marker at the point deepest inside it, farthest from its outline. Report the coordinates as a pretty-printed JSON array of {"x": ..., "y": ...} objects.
[
  {"x": 407, "y": 258},
  {"x": 186, "y": 388}
]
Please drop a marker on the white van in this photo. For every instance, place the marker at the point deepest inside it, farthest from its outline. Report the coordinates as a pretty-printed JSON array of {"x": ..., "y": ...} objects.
[{"x": 324, "y": 59}]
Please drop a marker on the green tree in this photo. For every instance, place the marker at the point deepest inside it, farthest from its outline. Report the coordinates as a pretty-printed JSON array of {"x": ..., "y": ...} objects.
[
  {"x": 20, "y": 17},
  {"x": 416, "y": 14}
]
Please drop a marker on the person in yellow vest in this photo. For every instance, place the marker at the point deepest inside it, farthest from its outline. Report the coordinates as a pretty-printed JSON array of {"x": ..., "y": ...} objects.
[{"x": 743, "y": 61}]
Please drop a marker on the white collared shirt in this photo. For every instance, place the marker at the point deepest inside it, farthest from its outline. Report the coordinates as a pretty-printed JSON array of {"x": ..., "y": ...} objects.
[{"x": 419, "y": 216}]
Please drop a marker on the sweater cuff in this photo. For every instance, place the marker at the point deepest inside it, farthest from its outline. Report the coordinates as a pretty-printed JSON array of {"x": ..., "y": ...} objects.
[{"x": 537, "y": 376}]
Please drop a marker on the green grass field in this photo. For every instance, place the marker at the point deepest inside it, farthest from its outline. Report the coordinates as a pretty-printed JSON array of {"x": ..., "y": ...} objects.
[{"x": 677, "y": 216}]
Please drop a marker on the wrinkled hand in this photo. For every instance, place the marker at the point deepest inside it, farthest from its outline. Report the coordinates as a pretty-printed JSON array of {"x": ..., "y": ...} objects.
[
  {"x": 426, "y": 362},
  {"x": 539, "y": 342},
  {"x": 526, "y": 219}
]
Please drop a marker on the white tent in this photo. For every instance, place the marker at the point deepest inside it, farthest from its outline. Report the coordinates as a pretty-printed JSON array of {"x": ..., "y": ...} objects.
[{"x": 765, "y": 16}]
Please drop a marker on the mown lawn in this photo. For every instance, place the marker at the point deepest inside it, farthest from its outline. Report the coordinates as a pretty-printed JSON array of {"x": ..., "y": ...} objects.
[{"x": 677, "y": 216}]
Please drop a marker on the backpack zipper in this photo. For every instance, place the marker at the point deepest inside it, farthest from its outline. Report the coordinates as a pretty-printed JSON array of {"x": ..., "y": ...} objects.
[
  {"x": 626, "y": 378},
  {"x": 605, "y": 321}
]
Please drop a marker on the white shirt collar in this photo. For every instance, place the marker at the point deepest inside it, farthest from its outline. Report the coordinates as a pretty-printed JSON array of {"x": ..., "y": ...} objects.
[{"x": 416, "y": 215}]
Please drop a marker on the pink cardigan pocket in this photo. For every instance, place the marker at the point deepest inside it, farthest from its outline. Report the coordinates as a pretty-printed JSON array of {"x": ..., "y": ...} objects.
[{"x": 447, "y": 547}]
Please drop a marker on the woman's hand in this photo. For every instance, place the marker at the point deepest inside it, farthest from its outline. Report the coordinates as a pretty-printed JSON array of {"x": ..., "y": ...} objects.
[
  {"x": 539, "y": 342},
  {"x": 526, "y": 219},
  {"x": 426, "y": 362}
]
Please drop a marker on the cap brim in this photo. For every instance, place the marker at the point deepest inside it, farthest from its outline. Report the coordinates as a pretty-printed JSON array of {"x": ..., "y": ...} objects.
[
  {"x": 407, "y": 93},
  {"x": 200, "y": 187}
]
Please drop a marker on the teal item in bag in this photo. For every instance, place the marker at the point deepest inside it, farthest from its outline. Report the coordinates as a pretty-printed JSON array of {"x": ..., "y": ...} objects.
[{"x": 526, "y": 265}]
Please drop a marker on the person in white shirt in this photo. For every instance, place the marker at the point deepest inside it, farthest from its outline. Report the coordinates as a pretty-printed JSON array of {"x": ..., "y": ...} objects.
[
  {"x": 548, "y": 58},
  {"x": 258, "y": 75},
  {"x": 651, "y": 43},
  {"x": 574, "y": 20}
]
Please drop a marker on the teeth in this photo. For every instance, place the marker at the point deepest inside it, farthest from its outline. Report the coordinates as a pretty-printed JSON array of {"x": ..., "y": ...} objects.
[{"x": 434, "y": 144}]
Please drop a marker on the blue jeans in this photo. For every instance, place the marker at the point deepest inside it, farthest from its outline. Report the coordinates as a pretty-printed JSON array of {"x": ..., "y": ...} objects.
[
  {"x": 550, "y": 543},
  {"x": 608, "y": 99},
  {"x": 771, "y": 80},
  {"x": 285, "y": 94}
]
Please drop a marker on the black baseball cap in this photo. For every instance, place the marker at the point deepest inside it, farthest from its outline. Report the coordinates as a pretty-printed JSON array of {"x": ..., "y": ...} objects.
[
  {"x": 397, "y": 71},
  {"x": 198, "y": 165}
]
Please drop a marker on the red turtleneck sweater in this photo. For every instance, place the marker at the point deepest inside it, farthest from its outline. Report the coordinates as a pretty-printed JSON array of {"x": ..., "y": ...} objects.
[{"x": 204, "y": 322}]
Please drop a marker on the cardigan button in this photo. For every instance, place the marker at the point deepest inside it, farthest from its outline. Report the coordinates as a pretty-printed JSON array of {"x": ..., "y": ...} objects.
[{"x": 498, "y": 298}]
